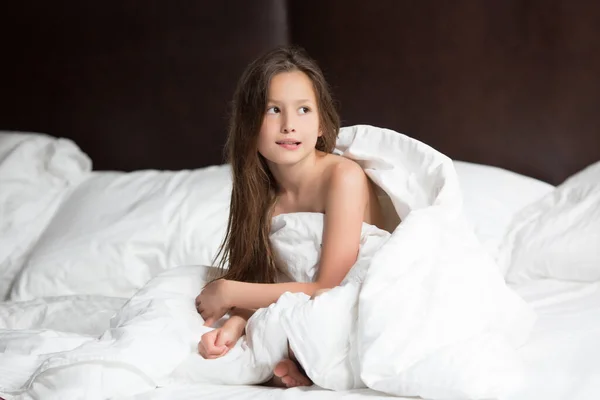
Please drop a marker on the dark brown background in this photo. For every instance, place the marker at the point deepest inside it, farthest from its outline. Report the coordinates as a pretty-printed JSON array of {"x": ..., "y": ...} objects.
[{"x": 146, "y": 84}]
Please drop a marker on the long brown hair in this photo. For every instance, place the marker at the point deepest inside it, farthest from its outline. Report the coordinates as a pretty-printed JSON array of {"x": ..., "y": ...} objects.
[{"x": 246, "y": 248}]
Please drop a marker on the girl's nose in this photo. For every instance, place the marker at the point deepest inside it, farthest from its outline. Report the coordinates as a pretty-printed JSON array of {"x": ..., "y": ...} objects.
[{"x": 287, "y": 126}]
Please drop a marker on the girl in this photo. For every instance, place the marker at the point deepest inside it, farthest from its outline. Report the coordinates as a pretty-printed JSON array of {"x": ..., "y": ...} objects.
[{"x": 282, "y": 132}]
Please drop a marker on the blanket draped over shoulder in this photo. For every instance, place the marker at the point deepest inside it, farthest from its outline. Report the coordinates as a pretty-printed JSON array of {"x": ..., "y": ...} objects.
[{"x": 423, "y": 312}]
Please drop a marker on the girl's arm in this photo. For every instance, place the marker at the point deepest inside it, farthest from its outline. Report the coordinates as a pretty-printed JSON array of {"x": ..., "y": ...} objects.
[
  {"x": 347, "y": 199},
  {"x": 241, "y": 313},
  {"x": 259, "y": 295}
]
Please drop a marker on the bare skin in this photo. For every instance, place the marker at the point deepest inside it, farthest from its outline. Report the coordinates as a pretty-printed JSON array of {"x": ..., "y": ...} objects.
[
  {"x": 288, "y": 372},
  {"x": 314, "y": 197},
  {"x": 215, "y": 344},
  {"x": 308, "y": 180}
]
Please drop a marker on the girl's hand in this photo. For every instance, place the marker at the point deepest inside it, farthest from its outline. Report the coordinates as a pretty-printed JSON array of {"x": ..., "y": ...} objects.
[
  {"x": 212, "y": 303},
  {"x": 218, "y": 342}
]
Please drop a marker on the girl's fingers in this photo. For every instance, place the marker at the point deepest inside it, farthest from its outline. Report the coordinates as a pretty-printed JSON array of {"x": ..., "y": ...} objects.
[
  {"x": 210, "y": 342},
  {"x": 212, "y": 353},
  {"x": 223, "y": 339},
  {"x": 222, "y": 352},
  {"x": 202, "y": 350},
  {"x": 218, "y": 355},
  {"x": 207, "y": 346}
]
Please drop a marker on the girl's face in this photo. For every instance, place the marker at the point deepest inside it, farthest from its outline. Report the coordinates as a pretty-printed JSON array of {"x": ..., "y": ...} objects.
[{"x": 290, "y": 126}]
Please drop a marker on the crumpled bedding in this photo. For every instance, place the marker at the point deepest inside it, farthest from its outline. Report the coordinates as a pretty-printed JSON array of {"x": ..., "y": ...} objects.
[
  {"x": 424, "y": 311},
  {"x": 429, "y": 314}
]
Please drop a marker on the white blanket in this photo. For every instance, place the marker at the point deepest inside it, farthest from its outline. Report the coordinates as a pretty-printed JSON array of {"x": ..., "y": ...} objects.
[
  {"x": 433, "y": 317},
  {"x": 424, "y": 312}
]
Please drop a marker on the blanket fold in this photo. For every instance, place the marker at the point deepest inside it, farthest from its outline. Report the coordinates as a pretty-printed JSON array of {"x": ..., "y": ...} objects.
[
  {"x": 423, "y": 312},
  {"x": 430, "y": 315}
]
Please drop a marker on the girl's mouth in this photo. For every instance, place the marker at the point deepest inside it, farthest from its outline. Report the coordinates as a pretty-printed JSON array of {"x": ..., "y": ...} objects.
[{"x": 289, "y": 145}]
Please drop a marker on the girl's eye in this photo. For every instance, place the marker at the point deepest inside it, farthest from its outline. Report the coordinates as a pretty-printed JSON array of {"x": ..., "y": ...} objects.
[
  {"x": 273, "y": 110},
  {"x": 304, "y": 110}
]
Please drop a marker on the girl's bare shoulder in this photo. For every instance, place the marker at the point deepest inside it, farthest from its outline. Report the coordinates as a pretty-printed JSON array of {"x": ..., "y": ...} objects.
[
  {"x": 348, "y": 183},
  {"x": 345, "y": 174}
]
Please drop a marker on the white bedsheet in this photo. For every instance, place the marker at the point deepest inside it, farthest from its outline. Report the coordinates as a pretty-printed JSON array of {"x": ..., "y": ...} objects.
[
  {"x": 86, "y": 315},
  {"x": 562, "y": 357},
  {"x": 427, "y": 313}
]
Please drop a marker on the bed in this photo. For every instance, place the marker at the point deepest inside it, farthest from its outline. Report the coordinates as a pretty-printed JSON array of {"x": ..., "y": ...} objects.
[{"x": 113, "y": 123}]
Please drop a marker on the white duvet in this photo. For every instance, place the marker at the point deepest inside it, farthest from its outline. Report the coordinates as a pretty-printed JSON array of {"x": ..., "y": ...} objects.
[{"x": 424, "y": 312}]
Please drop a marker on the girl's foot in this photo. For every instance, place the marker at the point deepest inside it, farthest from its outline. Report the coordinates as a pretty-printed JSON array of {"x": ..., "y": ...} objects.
[{"x": 289, "y": 375}]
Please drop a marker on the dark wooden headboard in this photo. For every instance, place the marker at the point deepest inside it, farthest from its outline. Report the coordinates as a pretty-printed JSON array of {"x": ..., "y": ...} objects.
[
  {"x": 512, "y": 83},
  {"x": 137, "y": 84}
]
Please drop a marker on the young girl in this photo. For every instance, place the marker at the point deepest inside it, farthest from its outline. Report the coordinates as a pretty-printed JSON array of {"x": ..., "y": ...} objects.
[{"x": 282, "y": 133}]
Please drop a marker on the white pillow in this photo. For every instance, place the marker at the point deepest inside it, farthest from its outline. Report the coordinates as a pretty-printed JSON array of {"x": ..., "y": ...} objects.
[
  {"x": 35, "y": 172},
  {"x": 117, "y": 230},
  {"x": 492, "y": 196},
  {"x": 558, "y": 236}
]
